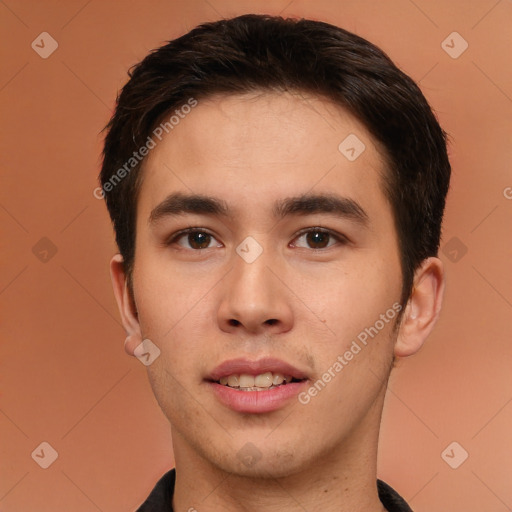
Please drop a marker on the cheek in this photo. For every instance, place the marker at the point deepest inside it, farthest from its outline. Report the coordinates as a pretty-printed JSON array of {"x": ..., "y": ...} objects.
[
  {"x": 353, "y": 358},
  {"x": 181, "y": 326},
  {"x": 352, "y": 297},
  {"x": 175, "y": 395},
  {"x": 176, "y": 313},
  {"x": 168, "y": 295},
  {"x": 352, "y": 373}
]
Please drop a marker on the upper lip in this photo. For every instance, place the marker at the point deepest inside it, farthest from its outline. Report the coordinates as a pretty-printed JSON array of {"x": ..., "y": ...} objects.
[{"x": 246, "y": 366}]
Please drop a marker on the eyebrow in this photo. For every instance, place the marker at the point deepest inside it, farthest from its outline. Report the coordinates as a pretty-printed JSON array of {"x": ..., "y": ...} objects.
[
  {"x": 306, "y": 204},
  {"x": 180, "y": 203}
]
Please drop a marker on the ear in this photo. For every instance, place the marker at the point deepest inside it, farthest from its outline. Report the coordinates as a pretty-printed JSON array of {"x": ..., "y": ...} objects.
[
  {"x": 423, "y": 307},
  {"x": 126, "y": 304}
]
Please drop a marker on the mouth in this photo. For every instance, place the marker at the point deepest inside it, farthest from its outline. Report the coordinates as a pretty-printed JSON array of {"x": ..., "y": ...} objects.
[
  {"x": 258, "y": 386},
  {"x": 262, "y": 382}
]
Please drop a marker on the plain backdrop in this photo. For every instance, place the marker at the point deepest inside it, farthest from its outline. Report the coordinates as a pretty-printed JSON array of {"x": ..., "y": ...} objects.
[{"x": 64, "y": 377}]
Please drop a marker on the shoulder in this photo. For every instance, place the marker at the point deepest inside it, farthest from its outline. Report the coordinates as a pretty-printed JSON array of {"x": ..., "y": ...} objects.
[
  {"x": 160, "y": 498},
  {"x": 391, "y": 499}
]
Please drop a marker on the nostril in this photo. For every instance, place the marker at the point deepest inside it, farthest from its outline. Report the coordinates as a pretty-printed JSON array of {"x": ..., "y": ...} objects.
[{"x": 235, "y": 323}]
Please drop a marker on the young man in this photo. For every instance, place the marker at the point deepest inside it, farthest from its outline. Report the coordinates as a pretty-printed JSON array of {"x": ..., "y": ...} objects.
[{"x": 277, "y": 189}]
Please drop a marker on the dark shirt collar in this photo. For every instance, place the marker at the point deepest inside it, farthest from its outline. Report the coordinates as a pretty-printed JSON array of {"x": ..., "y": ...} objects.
[{"x": 160, "y": 499}]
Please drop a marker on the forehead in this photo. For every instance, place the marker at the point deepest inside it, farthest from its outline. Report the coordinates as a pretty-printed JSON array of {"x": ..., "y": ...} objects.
[{"x": 259, "y": 146}]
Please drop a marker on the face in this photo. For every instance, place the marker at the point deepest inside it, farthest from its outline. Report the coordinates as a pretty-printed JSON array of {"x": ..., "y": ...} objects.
[{"x": 264, "y": 251}]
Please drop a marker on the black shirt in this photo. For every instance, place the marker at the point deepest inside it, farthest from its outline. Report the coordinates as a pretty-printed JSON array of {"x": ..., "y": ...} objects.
[{"x": 160, "y": 499}]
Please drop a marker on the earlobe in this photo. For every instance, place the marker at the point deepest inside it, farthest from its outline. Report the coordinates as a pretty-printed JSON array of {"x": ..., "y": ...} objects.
[
  {"x": 131, "y": 342},
  {"x": 423, "y": 307},
  {"x": 126, "y": 304}
]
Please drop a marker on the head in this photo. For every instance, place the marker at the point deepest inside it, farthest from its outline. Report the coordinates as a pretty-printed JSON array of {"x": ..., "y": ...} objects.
[{"x": 258, "y": 127}]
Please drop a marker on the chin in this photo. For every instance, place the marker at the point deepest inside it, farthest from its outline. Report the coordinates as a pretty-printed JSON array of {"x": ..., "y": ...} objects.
[{"x": 252, "y": 463}]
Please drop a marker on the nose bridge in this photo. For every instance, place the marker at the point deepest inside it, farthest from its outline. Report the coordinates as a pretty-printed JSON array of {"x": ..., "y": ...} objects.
[
  {"x": 253, "y": 298},
  {"x": 251, "y": 275}
]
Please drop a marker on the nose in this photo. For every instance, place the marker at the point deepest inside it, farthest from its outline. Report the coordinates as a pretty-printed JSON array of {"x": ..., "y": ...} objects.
[{"x": 254, "y": 300}]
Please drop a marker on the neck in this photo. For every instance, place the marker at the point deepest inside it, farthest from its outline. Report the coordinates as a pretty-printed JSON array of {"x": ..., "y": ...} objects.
[{"x": 341, "y": 480}]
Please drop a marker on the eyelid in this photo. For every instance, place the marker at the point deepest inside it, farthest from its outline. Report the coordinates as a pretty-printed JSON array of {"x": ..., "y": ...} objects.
[
  {"x": 176, "y": 236},
  {"x": 340, "y": 238}
]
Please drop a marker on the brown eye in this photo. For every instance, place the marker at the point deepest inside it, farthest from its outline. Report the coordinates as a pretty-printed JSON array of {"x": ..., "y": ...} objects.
[
  {"x": 317, "y": 239},
  {"x": 199, "y": 240},
  {"x": 194, "y": 239}
]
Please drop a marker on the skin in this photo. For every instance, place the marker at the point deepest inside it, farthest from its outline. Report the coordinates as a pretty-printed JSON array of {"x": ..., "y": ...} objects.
[{"x": 250, "y": 151}]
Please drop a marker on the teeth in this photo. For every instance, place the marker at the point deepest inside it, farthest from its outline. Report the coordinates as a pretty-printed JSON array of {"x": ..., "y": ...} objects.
[
  {"x": 260, "y": 382},
  {"x": 264, "y": 380},
  {"x": 246, "y": 381},
  {"x": 277, "y": 379},
  {"x": 233, "y": 381}
]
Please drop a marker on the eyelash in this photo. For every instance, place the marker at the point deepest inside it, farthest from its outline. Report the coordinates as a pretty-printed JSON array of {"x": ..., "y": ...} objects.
[{"x": 341, "y": 239}]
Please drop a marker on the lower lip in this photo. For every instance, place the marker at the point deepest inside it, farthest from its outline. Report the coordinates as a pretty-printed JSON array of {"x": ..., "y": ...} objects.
[{"x": 257, "y": 401}]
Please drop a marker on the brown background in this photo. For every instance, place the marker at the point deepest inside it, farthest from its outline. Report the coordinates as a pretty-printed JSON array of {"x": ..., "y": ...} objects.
[{"x": 64, "y": 376}]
